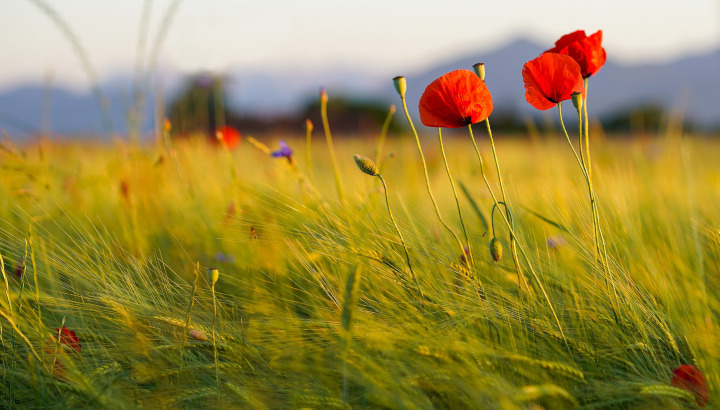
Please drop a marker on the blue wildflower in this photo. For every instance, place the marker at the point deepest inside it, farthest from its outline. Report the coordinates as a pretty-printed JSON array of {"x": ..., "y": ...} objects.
[{"x": 283, "y": 152}]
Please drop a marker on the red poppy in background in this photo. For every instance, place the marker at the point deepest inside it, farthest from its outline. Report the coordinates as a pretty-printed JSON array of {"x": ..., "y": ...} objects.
[
  {"x": 68, "y": 338},
  {"x": 551, "y": 78},
  {"x": 690, "y": 378},
  {"x": 587, "y": 51},
  {"x": 456, "y": 99},
  {"x": 229, "y": 136}
]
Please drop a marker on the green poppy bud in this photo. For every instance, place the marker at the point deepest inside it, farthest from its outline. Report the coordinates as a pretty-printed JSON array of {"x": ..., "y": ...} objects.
[
  {"x": 577, "y": 100},
  {"x": 366, "y": 165},
  {"x": 479, "y": 69},
  {"x": 213, "y": 275},
  {"x": 400, "y": 85},
  {"x": 496, "y": 249}
]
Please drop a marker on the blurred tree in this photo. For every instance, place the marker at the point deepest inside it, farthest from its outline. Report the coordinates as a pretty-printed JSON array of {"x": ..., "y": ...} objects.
[{"x": 199, "y": 107}]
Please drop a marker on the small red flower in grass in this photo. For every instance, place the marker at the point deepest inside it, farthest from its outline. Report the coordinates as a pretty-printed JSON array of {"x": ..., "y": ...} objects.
[
  {"x": 690, "y": 378},
  {"x": 229, "y": 136},
  {"x": 551, "y": 78},
  {"x": 456, "y": 99},
  {"x": 67, "y": 338},
  {"x": 586, "y": 50}
]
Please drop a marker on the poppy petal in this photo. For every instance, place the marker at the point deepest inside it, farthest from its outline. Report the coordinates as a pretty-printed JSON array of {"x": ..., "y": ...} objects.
[
  {"x": 566, "y": 40},
  {"x": 550, "y": 79},
  {"x": 690, "y": 378},
  {"x": 587, "y": 51},
  {"x": 455, "y": 100}
]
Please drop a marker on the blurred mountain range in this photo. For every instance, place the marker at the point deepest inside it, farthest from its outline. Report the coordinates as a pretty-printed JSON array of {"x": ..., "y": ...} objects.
[{"x": 689, "y": 85}]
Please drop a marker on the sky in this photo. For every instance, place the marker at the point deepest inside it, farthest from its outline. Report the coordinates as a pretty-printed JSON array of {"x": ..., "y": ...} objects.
[{"x": 372, "y": 35}]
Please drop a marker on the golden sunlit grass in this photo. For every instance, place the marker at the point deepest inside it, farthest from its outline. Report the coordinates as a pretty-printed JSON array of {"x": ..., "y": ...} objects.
[{"x": 315, "y": 305}]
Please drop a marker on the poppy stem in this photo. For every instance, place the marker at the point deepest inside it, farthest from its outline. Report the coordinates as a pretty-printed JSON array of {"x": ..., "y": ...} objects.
[
  {"x": 457, "y": 201},
  {"x": 402, "y": 240},
  {"x": 427, "y": 178},
  {"x": 513, "y": 252},
  {"x": 593, "y": 202},
  {"x": 512, "y": 232},
  {"x": 587, "y": 132},
  {"x": 583, "y": 164},
  {"x": 215, "y": 351}
]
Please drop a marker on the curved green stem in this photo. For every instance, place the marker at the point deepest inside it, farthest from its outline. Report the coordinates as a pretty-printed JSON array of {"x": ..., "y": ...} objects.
[
  {"x": 427, "y": 177},
  {"x": 402, "y": 240},
  {"x": 452, "y": 185},
  {"x": 513, "y": 251},
  {"x": 492, "y": 216},
  {"x": 593, "y": 205},
  {"x": 512, "y": 232}
]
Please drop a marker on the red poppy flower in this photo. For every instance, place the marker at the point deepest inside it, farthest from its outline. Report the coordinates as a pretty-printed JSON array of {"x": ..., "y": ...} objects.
[
  {"x": 229, "y": 136},
  {"x": 67, "y": 338},
  {"x": 456, "y": 99},
  {"x": 690, "y": 378},
  {"x": 551, "y": 78},
  {"x": 587, "y": 51}
]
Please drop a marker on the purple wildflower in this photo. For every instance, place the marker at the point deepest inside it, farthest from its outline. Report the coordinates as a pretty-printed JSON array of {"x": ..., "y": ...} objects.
[{"x": 283, "y": 152}]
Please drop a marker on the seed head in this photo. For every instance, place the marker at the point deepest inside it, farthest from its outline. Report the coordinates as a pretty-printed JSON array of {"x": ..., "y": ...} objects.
[
  {"x": 577, "y": 100},
  {"x": 213, "y": 276},
  {"x": 198, "y": 335},
  {"x": 479, "y": 69},
  {"x": 400, "y": 85},
  {"x": 308, "y": 125},
  {"x": 366, "y": 165},
  {"x": 323, "y": 95},
  {"x": 496, "y": 249}
]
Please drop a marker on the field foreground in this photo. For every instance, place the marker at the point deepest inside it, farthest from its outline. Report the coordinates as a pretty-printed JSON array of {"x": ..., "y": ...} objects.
[{"x": 106, "y": 302}]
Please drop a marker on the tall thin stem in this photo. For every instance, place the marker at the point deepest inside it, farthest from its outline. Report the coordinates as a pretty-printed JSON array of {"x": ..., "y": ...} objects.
[
  {"x": 331, "y": 148},
  {"x": 452, "y": 185},
  {"x": 587, "y": 132},
  {"x": 215, "y": 351},
  {"x": 513, "y": 252},
  {"x": 427, "y": 177},
  {"x": 512, "y": 232},
  {"x": 402, "y": 240},
  {"x": 593, "y": 204}
]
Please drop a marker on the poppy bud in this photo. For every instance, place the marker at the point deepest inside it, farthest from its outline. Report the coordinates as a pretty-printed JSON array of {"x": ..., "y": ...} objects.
[
  {"x": 167, "y": 125},
  {"x": 400, "y": 85},
  {"x": 213, "y": 275},
  {"x": 496, "y": 249},
  {"x": 308, "y": 125},
  {"x": 392, "y": 108},
  {"x": 577, "y": 100},
  {"x": 479, "y": 69},
  {"x": 366, "y": 165},
  {"x": 323, "y": 95}
]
